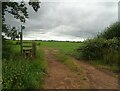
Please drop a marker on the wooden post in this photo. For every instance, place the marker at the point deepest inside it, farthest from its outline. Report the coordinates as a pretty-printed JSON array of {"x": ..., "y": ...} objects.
[
  {"x": 21, "y": 42},
  {"x": 33, "y": 49}
]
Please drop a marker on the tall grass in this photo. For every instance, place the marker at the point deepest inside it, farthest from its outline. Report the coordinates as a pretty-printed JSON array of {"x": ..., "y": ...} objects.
[{"x": 24, "y": 73}]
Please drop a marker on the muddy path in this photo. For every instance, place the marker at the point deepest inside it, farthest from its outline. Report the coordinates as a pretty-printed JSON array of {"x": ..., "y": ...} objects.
[
  {"x": 98, "y": 79},
  {"x": 61, "y": 77}
]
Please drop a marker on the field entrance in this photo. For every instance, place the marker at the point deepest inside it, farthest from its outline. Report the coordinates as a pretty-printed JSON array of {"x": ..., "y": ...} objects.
[
  {"x": 65, "y": 72},
  {"x": 60, "y": 76}
]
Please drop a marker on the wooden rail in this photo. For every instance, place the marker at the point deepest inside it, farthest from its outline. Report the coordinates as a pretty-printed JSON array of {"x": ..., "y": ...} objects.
[
  {"x": 27, "y": 46},
  {"x": 27, "y": 49}
]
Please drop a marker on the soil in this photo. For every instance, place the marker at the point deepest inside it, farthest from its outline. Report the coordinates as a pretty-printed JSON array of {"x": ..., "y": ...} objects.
[
  {"x": 61, "y": 77},
  {"x": 99, "y": 79}
]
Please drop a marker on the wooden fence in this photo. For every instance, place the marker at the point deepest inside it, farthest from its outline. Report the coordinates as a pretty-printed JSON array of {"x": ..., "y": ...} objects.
[{"x": 29, "y": 49}]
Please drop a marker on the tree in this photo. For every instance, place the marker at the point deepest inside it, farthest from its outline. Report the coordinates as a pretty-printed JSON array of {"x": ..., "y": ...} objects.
[
  {"x": 112, "y": 31},
  {"x": 18, "y": 10},
  {"x": 13, "y": 33}
]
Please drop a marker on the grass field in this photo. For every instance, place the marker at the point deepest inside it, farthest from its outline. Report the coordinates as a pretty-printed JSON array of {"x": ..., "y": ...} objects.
[{"x": 65, "y": 47}]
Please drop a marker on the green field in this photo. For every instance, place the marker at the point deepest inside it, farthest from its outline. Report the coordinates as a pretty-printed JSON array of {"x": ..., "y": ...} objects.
[{"x": 65, "y": 47}]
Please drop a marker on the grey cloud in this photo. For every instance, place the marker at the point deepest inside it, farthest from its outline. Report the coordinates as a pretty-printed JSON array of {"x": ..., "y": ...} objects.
[{"x": 69, "y": 20}]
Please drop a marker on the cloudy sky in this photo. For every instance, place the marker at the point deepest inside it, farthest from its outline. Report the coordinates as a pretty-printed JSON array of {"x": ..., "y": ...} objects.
[{"x": 73, "y": 20}]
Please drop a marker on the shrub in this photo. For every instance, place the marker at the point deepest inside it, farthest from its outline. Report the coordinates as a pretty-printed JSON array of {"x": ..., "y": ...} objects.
[
  {"x": 92, "y": 48},
  {"x": 105, "y": 46},
  {"x": 100, "y": 49},
  {"x": 112, "y": 31}
]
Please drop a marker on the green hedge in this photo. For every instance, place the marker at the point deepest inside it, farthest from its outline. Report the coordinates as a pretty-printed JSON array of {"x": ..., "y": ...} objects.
[{"x": 99, "y": 48}]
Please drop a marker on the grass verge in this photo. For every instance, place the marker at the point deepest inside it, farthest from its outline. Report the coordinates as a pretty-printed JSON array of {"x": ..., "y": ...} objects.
[
  {"x": 25, "y": 73},
  {"x": 99, "y": 64}
]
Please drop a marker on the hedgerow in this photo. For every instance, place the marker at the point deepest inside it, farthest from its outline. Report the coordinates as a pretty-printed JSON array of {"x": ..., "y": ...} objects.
[{"x": 105, "y": 47}]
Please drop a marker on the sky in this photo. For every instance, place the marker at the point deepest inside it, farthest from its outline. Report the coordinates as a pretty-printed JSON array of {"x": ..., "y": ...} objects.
[{"x": 68, "y": 20}]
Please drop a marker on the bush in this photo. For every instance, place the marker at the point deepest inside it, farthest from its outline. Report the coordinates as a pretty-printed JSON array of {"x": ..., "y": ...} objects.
[
  {"x": 100, "y": 49},
  {"x": 112, "y": 31},
  {"x": 111, "y": 52},
  {"x": 92, "y": 49},
  {"x": 105, "y": 46}
]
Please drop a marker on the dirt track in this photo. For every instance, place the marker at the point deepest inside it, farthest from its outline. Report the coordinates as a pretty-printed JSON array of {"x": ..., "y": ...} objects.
[
  {"x": 99, "y": 79},
  {"x": 61, "y": 77}
]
